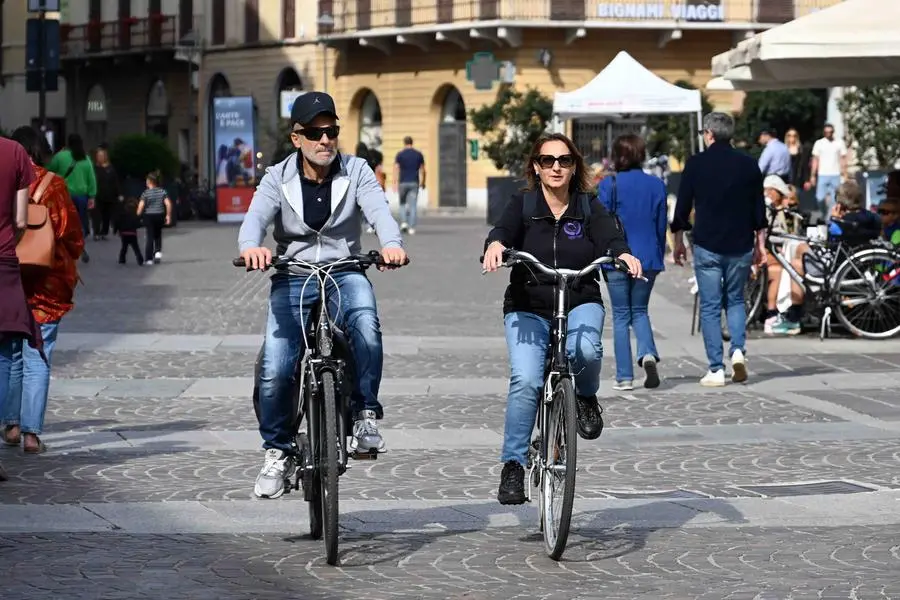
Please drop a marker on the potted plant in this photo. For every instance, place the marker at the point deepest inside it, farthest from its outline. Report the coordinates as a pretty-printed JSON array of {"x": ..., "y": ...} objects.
[{"x": 510, "y": 126}]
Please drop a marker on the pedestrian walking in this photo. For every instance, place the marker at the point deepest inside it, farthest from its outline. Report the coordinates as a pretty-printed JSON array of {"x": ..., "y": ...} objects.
[
  {"x": 127, "y": 224},
  {"x": 409, "y": 176},
  {"x": 109, "y": 193},
  {"x": 724, "y": 188},
  {"x": 73, "y": 165},
  {"x": 156, "y": 209},
  {"x": 775, "y": 158},
  {"x": 16, "y": 321},
  {"x": 639, "y": 200},
  {"x": 829, "y": 168},
  {"x": 49, "y": 292}
]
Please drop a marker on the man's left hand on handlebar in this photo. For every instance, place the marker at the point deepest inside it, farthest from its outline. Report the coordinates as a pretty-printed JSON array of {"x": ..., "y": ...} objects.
[
  {"x": 394, "y": 257},
  {"x": 634, "y": 265}
]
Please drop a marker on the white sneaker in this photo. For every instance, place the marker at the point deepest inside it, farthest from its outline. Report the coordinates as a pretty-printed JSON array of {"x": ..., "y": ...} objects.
[
  {"x": 404, "y": 227},
  {"x": 370, "y": 229},
  {"x": 158, "y": 256},
  {"x": 713, "y": 379},
  {"x": 411, "y": 231},
  {"x": 770, "y": 323},
  {"x": 148, "y": 263},
  {"x": 626, "y": 385},
  {"x": 270, "y": 481},
  {"x": 738, "y": 367}
]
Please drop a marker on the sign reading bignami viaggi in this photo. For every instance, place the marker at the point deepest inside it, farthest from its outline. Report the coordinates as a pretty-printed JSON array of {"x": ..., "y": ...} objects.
[{"x": 235, "y": 156}]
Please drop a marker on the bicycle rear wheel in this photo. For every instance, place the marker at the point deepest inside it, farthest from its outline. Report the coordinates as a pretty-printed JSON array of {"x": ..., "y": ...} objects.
[
  {"x": 328, "y": 468},
  {"x": 558, "y": 473}
]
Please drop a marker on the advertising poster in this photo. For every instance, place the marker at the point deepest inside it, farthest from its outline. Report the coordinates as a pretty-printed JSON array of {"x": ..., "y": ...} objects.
[{"x": 235, "y": 143}]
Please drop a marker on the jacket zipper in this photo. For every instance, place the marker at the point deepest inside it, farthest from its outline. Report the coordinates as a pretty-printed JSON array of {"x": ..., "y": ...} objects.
[{"x": 555, "y": 234}]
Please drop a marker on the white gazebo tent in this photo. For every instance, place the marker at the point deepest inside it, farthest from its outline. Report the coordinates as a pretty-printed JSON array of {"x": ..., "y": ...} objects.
[
  {"x": 855, "y": 42},
  {"x": 626, "y": 86}
]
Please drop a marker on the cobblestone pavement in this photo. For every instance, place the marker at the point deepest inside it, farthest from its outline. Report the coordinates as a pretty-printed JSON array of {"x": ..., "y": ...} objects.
[{"x": 134, "y": 500}]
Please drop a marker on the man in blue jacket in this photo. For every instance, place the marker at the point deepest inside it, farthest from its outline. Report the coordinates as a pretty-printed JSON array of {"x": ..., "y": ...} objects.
[
  {"x": 724, "y": 188},
  {"x": 316, "y": 198}
]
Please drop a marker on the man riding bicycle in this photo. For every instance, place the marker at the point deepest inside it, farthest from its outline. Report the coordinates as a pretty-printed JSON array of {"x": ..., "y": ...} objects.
[{"x": 316, "y": 198}]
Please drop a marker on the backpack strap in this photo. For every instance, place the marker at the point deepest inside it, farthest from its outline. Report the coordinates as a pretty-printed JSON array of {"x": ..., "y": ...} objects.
[{"x": 42, "y": 187}]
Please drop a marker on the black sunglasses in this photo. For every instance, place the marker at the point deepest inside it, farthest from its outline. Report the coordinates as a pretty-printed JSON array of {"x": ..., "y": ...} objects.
[
  {"x": 314, "y": 134},
  {"x": 566, "y": 161},
  {"x": 886, "y": 211}
]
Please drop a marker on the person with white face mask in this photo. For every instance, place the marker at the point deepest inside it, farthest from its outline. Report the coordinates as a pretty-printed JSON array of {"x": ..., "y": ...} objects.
[{"x": 316, "y": 198}]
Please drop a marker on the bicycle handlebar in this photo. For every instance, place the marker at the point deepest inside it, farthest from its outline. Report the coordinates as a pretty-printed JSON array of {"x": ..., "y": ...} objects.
[
  {"x": 364, "y": 261},
  {"x": 514, "y": 257}
]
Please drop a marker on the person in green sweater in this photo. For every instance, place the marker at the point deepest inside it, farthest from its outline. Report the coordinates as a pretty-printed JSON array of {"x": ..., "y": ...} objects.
[{"x": 72, "y": 164}]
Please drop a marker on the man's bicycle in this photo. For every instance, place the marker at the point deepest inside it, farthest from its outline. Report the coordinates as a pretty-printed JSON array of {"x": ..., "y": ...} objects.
[
  {"x": 324, "y": 378},
  {"x": 553, "y": 453}
]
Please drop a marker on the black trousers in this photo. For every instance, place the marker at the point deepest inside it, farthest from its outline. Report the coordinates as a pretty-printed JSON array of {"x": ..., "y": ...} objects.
[
  {"x": 130, "y": 241},
  {"x": 101, "y": 215},
  {"x": 154, "y": 225}
]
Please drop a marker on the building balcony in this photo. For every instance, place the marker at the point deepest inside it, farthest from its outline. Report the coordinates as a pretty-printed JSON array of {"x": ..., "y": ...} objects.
[
  {"x": 131, "y": 35},
  {"x": 361, "y": 18}
]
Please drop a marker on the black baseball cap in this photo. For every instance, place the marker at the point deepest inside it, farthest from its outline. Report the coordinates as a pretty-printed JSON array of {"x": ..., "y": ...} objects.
[{"x": 310, "y": 105}]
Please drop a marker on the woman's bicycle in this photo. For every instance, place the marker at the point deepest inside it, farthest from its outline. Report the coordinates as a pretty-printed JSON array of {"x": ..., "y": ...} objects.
[
  {"x": 552, "y": 454},
  {"x": 324, "y": 379}
]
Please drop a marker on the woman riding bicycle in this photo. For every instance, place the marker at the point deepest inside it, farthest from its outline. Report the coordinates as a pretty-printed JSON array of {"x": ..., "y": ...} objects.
[{"x": 568, "y": 229}]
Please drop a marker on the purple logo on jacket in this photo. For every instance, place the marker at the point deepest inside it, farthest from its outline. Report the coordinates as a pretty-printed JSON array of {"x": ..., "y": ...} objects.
[{"x": 573, "y": 229}]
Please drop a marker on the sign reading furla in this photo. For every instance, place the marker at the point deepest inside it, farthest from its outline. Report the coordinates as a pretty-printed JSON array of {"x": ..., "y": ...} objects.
[{"x": 676, "y": 11}]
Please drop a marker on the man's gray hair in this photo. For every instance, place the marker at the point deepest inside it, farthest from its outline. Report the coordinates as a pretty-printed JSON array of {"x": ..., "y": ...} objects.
[{"x": 720, "y": 125}]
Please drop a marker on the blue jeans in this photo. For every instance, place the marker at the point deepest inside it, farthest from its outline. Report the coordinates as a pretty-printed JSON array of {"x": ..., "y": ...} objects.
[
  {"x": 720, "y": 282},
  {"x": 81, "y": 204},
  {"x": 409, "y": 199},
  {"x": 527, "y": 339},
  {"x": 289, "y": 306},
  {"x": 630, "y": 298},
  {"x": 826, "y": 191},
  {"x": 25, "y": 402},
  {"x": 7, "y": 348}
]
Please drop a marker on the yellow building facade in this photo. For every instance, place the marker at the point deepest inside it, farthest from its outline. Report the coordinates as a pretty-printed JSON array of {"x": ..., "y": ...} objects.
[{"x": 397, "y": 68}]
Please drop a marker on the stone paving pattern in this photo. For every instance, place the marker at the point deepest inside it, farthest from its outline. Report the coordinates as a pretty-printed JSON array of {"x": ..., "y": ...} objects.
[{"x": 195, "y": 291}]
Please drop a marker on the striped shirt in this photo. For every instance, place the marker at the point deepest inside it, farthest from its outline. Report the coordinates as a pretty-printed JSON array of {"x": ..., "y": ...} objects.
[{"x": 154, "y": 201}]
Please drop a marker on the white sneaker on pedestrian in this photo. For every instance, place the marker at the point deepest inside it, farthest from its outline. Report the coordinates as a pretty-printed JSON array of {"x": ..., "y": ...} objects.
[
  {"x": 148, "y": 263},
  {"x": 157, "y": 257},
  {"x": 626, "y": 385},
  {"x": 770, "y": 323},
  {"x": 411, "y": 231},
  {"x": 277, "y": 467},
  {"x": 713, "y": 379},
  {"x": 404, "y": 227},
  {"x": 738, "y": 367}
]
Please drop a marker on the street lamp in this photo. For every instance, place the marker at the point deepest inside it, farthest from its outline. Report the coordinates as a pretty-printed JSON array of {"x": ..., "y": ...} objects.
[
  {"x": 324, "y": 21},
  {"x": 191, "y": 44}
]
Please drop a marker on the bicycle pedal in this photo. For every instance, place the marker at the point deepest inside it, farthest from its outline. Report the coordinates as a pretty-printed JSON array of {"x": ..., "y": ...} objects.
[{"x": 367, "y": 455}]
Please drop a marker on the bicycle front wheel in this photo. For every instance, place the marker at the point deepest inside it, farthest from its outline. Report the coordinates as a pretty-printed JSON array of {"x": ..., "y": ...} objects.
[
  {"x": 868, "y": 295},
  {"x": 328, "y": 468},
  {"x": 558, "y": 469}
]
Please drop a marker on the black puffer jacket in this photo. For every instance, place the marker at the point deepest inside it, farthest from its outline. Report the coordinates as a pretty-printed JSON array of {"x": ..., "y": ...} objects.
[{"x": 570, "y": 243}]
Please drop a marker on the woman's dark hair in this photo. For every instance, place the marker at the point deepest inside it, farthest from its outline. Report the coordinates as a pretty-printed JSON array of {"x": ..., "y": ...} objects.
[
  {"x": 153, "y": 177},
  {"x": 628, "y": 152},
  {"x": 35, "y": 144},
  {"x": 76, "y": 146},
  {"x": 580, "y": 182}
]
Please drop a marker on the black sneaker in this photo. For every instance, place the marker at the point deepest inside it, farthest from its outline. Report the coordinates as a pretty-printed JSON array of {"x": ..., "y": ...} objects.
[
  {"x": 512, "y": 484},
  {"x": 590, "y": 423}
]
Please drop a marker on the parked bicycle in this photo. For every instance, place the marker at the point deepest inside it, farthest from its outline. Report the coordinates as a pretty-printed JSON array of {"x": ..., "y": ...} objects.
[
  {"x": 553, "y": 453},
  {"x": 324, "y": 376}
]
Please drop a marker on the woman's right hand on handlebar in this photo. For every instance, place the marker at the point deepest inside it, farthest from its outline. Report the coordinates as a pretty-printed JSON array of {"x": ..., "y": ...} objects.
[
  {"x": 257, "y": 258},
  {"x": 493, "y": 257}
]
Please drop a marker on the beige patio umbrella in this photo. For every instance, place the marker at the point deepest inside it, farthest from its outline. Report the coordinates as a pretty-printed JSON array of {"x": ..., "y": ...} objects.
[{"x": 855, "y": 42}]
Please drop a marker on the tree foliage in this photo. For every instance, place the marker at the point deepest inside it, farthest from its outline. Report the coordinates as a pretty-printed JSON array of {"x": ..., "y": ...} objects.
[
  {"x": 872, "y": 118},
  {"x": 672, "y": 134},
  {"x": 803, "y": 110},
  {"x": 137, "y": 154},
  {"x": 511, "y": 125}
]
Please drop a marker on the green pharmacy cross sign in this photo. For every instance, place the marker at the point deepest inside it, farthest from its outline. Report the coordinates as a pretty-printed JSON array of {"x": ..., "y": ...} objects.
[{"x": 483, "y": 70}]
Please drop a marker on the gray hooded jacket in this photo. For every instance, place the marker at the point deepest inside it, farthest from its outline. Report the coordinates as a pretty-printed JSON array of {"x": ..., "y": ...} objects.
[{"x": 279, "y": 199}]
